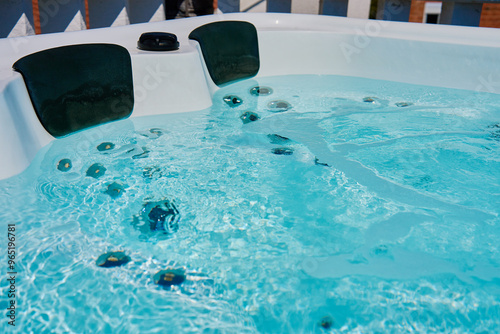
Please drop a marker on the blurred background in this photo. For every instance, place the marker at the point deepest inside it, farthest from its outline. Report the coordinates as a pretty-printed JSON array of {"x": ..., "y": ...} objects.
[{"x": 29, "y": 17}]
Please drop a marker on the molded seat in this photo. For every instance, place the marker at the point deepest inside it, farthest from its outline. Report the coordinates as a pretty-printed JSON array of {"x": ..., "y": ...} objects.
[
  {"x": 78, "y": 86},
  {"x": 230, "y": 50}
]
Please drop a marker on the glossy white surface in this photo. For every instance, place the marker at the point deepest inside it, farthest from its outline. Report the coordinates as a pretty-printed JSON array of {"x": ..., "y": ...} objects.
[{"x": 172, "y": 82}]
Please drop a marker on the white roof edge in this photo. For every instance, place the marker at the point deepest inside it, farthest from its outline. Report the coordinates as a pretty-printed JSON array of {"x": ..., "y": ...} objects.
[{"x": 12, "y": 49}]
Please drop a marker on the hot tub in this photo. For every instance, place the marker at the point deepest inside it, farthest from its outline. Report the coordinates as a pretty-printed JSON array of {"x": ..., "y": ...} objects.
[
  {"x": 443, "y": 56},
  {"x": 345, "y": 180}
]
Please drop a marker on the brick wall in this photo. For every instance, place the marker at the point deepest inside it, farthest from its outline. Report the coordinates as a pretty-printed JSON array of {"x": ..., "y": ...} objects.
[
  {"x": 417, "y": 11},
  {"x": 490, "y": 15}
]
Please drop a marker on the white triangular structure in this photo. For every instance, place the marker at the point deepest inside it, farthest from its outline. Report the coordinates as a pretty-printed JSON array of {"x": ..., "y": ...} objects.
[
  {"x": 122, "y": 19},
  {"x": 159, "y": 15},
  {"x": 78, "y": 23},
  {"x": 359, "y": 9},
  {"x": 23, "y": 27}
]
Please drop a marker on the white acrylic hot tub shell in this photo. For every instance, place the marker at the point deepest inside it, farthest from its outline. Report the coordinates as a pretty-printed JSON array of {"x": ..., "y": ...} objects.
[{"x": 173, "y": 82}]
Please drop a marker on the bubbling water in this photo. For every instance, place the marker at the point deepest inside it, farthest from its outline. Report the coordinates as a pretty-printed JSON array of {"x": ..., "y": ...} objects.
[{"x": 295, "y": 204}]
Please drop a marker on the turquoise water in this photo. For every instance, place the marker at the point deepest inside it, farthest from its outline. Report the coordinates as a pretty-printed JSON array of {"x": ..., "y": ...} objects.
[{"x": 380, "y": 215}]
